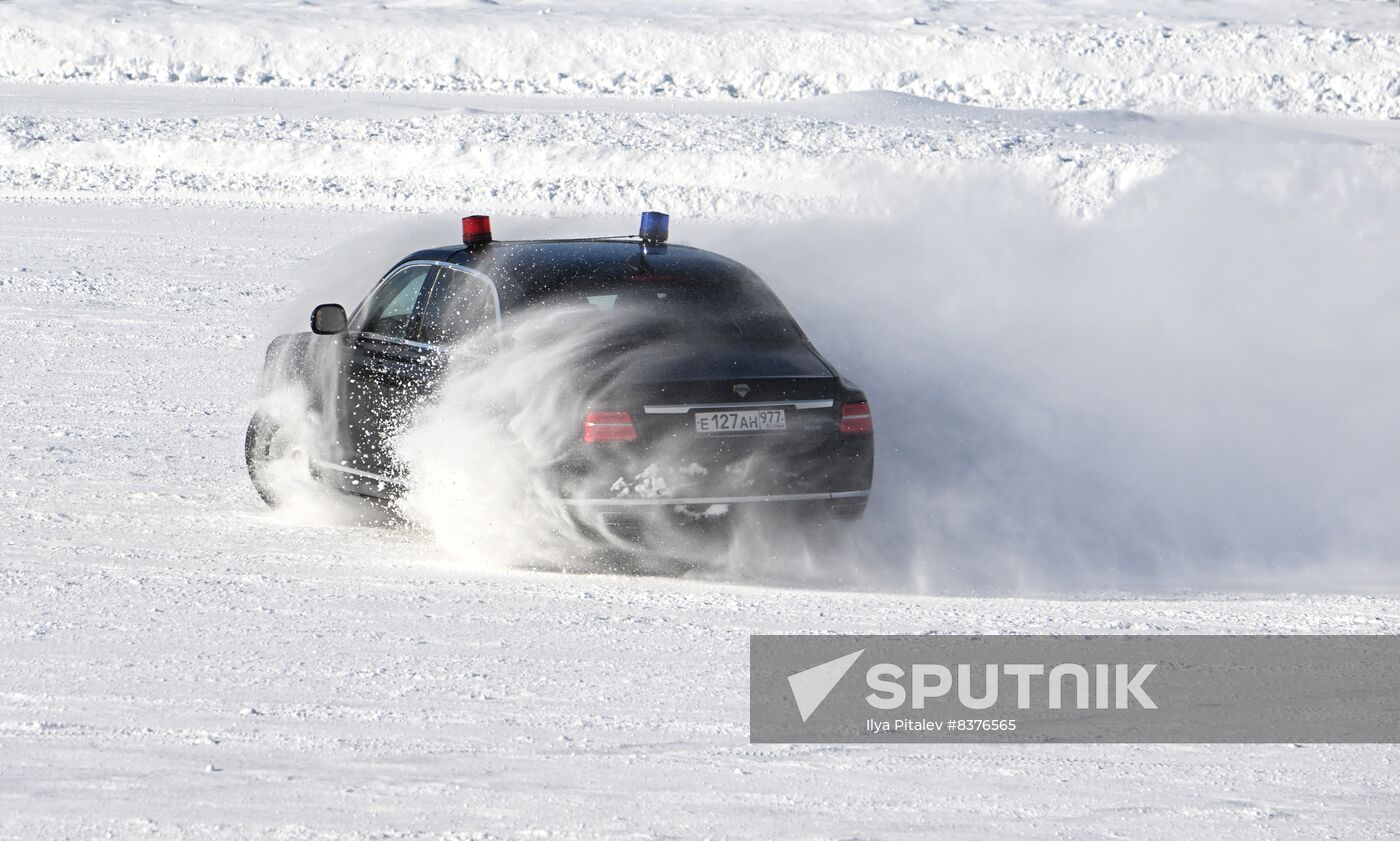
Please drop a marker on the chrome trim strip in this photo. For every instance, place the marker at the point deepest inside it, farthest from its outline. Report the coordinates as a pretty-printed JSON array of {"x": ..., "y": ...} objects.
[
  {"x": 688, "y": 500},
  {"x": 395, "y": 340},
  {"x": 686, "y": 408},
  {"x": 718, "y": 500},
  {"x": 340, "y": 468}
]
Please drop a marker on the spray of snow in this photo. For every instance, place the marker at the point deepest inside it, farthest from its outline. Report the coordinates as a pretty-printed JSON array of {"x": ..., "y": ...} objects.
[
  {"x": 1194, "y": 391},
  {"x": 1197, "y": 390},
  {"x": 480, "y": 456},
  {"x": 488, "y": 456}
]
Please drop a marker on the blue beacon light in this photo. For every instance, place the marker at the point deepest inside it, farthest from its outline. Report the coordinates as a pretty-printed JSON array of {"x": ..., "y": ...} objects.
[{"x": 655, "y": 226}]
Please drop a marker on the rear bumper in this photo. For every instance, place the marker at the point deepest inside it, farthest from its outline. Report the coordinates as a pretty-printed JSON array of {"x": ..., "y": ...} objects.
[
  {"x": 660, "y": 521},
  {"x": 685, "y": 470},
  {"x": 654, "y": 502}
]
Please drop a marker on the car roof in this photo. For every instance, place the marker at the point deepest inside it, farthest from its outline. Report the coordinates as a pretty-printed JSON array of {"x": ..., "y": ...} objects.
[{"x": 526, "y": 265}]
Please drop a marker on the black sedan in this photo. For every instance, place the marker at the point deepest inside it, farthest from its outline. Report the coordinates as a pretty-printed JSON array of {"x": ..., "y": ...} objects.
[{"x": 718, "y": 384}]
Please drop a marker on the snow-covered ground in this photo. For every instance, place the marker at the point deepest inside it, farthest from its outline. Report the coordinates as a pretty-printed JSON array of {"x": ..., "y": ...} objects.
[
  {"x": 177, "y": 663},
  {"x": 1138, "y": 262}
]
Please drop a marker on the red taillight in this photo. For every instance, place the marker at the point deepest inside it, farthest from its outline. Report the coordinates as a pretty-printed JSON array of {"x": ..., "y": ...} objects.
[
  {"x": 476, "y": 230},
  {"x": 602, "y": 427},
  {"x": 856, "y": 420}
]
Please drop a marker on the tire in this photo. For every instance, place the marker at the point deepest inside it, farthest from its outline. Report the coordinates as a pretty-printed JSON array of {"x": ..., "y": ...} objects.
[{"x": 263, "y": 447}]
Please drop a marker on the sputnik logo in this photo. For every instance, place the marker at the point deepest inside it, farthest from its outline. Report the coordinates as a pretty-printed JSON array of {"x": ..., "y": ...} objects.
[{"x": 811, "y": 686}]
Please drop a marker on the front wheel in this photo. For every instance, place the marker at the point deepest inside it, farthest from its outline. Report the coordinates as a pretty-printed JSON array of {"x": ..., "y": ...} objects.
[{"x": 276, "y": 462}]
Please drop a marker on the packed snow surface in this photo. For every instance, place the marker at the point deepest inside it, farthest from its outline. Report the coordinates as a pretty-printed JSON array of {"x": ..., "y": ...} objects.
[
  {"x": 179, "y": 663},
  {"x": 1119, "y": 279}
]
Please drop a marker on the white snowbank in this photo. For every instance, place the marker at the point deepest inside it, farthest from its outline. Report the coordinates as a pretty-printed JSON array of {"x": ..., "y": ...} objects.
[
  {"x": 779, "y": 161},
  {"x": 411, "y": 152},
  {"x": 1295, "y": 57}
]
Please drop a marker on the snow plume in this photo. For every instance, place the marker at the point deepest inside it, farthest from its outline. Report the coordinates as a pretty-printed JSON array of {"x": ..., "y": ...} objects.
[
  {"x": 292, "y": 432},
  {"x": 1197, "y": 390},
  {"x": 487, "y": 457},
  {"x": 481, "y": 456},
  {"x": 1194, "y": 391}
]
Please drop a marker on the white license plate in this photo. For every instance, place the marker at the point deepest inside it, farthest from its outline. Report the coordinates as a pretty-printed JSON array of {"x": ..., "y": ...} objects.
[{"x": 748, "y": 420}]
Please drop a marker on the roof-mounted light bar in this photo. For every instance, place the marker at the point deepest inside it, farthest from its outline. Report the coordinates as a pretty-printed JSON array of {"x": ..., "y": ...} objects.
[
  {"x": 655, "y": 226},
  {"x": 476, "y": 230}
]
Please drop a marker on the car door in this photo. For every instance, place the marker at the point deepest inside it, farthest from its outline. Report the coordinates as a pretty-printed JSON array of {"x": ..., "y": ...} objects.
[{"x": 388, "y": 371}]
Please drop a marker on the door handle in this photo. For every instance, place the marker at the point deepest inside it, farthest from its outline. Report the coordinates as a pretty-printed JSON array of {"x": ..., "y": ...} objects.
[{"x": 372, "y": 367}]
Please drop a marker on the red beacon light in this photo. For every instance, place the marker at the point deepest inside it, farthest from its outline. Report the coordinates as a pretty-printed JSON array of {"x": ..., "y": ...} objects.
[{"x": 476, "y": 230}]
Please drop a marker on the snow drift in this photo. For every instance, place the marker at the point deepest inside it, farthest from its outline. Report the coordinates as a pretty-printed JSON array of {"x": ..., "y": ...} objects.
[{"x": 1277, "y": 57}]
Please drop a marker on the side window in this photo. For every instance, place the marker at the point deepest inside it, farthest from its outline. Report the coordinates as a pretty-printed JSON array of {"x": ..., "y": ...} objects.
[
  {"x": 460, "y": 306},
  {"x": 389, "y": 312}
]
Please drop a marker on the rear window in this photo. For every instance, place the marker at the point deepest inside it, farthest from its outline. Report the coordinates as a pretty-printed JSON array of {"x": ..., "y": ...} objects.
[{"x": 713, "y": 303}]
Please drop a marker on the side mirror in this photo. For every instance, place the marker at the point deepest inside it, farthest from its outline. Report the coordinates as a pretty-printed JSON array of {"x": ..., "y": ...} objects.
[{"x": 328, "y": 319}]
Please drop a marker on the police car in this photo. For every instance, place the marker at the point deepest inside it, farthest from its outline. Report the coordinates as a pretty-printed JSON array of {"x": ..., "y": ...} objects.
[{"x": 724, "y": 387}]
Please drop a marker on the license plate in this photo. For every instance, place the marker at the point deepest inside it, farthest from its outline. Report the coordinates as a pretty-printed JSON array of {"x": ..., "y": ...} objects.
[{"x": 748, "y": 420}]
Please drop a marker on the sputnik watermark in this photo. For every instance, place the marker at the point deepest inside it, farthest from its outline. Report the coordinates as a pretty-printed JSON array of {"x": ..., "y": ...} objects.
[
  {"x": 1102, "y": 689},
  {"x": 874, "y": 725},
  {"x": 1112, "y": 686},
  {"x": 1122, "y": 682}
]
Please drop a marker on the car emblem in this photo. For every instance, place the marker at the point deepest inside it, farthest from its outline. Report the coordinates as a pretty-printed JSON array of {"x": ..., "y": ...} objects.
[{"x": 741, "y": 390}]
